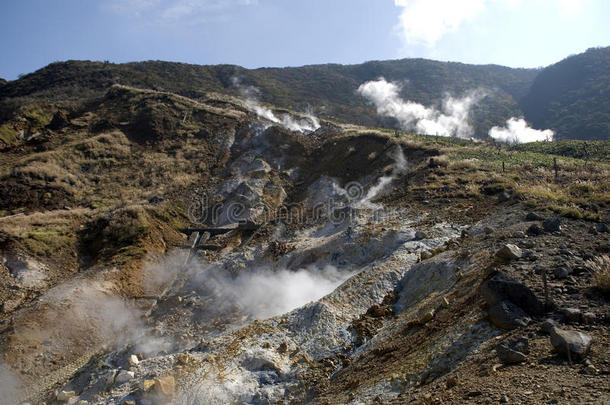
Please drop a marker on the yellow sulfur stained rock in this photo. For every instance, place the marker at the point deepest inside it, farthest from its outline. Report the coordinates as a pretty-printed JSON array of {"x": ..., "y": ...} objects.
[
  {"x": 146, "y": 385},
  {"x": 165, "y": 386}
]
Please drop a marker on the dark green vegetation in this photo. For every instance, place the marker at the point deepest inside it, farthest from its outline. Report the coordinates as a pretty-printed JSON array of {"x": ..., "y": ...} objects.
[
  {"x": 573, "y": 96},
  {"x": 570, "y": 97}
]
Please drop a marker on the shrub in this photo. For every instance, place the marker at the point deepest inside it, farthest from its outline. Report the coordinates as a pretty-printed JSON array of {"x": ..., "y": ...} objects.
[{"x": 126, "y": 225}]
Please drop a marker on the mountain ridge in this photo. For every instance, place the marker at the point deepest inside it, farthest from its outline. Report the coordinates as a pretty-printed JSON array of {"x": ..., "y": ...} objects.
[{"x": 329, "y": 90}]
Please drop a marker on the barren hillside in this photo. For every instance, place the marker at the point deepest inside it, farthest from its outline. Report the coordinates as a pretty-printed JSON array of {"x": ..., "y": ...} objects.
[{"x": 157, "y": 249}]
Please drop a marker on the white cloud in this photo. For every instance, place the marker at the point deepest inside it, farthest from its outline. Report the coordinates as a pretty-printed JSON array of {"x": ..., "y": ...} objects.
[
  {"x": 451, "y": 121},
  {"x": 427, "y": 21},
  {"x": 518, "y": 131}
]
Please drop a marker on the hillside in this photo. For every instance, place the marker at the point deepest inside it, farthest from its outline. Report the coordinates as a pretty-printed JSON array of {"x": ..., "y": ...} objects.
[
  {"x": 156, "y": 248},
  {"x": 328, "y": 90},
  {"x": 572, "y": 97}
]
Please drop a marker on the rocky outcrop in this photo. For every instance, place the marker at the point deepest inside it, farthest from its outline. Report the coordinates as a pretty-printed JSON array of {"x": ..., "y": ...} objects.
[
  {"x": 506, "y": 315},
  {"x": 502, "y": 287}
]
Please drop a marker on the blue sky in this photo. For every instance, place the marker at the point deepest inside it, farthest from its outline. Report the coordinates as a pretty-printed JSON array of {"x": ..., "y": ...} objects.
[{"x": 256, "y": 33}]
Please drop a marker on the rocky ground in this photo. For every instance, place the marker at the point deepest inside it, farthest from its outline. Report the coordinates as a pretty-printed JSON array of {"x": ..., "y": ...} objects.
[{"x": 368, "y": 267}]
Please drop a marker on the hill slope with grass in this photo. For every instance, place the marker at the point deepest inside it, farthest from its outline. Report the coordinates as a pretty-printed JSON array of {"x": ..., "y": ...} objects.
[
  {"x": 328, "y": 91},
  {"x": 570, "y": 97}
]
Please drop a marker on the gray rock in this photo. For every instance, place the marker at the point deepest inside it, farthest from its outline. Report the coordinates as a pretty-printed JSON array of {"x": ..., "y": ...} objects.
[
  {"x": 551, "y": 224},
  {"x": 506, "y": 315},
  {"x": 502, "y": 287},
  {"x": 534, "y": 230},
  {"x": 514, "y": 351},
  {"x": 530, "y": 255},
  {"x": 572, "y": 314},
  {"x": 570, "y": 343},
  {"x": 419, "y": 235},
  {"x": 602, "y": 227},
  {"x": 488, "y": 230},
  {"x": 532, "y": 216},
  {"x": 509, "y": 252},
  {"x": 519, "y": 235},
  {"x": 561, "y": 272}
]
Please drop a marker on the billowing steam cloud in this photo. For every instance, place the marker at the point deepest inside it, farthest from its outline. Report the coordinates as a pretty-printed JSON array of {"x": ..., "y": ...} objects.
[
  {"x": 263, "y": 293},
  {"x": 518, "y": 131},
  {"x": 307, "y": 123},
  {"x": 259, "y": 291},
  {"x": 451, "y": 121}
]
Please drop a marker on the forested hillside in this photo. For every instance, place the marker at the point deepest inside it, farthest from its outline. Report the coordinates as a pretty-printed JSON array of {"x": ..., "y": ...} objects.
[{"x": 573, "y": 96}]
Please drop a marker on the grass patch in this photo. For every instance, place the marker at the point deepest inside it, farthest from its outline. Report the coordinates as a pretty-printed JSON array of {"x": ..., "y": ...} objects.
[
  {"x": 601, "y": 273},
  {"x": 8, "y": 135}
]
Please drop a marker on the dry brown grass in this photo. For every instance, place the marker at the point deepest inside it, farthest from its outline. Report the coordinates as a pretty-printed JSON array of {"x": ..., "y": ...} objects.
[{"x": 601, "y": 273}]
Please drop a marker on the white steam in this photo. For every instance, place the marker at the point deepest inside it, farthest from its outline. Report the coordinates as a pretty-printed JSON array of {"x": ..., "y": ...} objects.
[
  {"x": 263, "y": 293},
  {"x": 518, "y": 131},
  {"x": 400, "y": 166},
  {"x": 451, "y": 121},
  {"x": 305, "y": 123}
]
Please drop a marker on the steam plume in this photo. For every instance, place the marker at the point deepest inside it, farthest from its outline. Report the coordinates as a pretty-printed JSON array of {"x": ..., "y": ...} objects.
[
  {"x": 451, "y": 121},
  {"x": 400, "y": 166},
  {"x": 289, "y": 289},
  {"x": 307, "y": 123},
  {"x": 518, "y": 131}
]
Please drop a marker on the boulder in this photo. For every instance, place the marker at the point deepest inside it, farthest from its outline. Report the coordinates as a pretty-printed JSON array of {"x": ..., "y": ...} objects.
[
  {"x": 570, "y": 343},
  {"x": 509, "y": 252},
  {"x": 602, "y": 227},
  {"x": 561, "y": 272},
  {"x": 59, "y": 120},
  {"x": 534, "y": 230},
  {"x": 506, "y": 315},
  {"x": 502, "y": 287},
  {"x": 572, "y": 315},
  {"x": 532, "y": 216},
  {"x": 551, "y": 224},
  {"x": 514, "y": 351}
]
